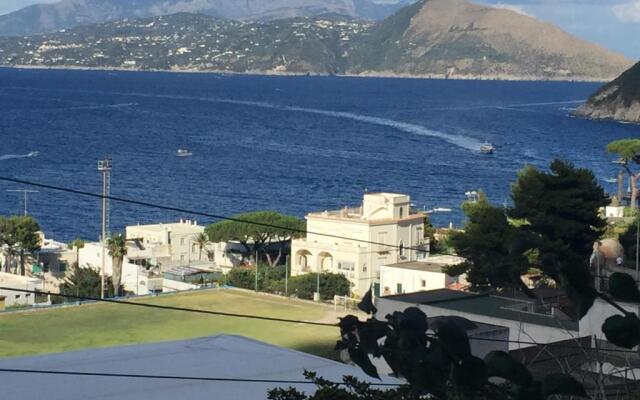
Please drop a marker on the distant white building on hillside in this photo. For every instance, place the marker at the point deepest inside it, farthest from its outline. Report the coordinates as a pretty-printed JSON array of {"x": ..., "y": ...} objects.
[{"x": 356, "y": 242}]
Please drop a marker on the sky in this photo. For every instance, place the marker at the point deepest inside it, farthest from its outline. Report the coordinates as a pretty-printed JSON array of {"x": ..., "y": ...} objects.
[{"x": 614, "y": 24}]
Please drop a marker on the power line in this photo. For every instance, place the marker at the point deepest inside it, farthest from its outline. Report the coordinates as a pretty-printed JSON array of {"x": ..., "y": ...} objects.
[
  {"x": 285, "y": 320},
  {"x": 175, "y": 377},
  {"x": 199, "y": 213}
]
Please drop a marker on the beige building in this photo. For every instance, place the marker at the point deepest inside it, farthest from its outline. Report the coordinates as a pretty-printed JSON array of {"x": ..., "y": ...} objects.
[
  {"x": 170, "y": 244},
  {"x": 340, "y": 241}
]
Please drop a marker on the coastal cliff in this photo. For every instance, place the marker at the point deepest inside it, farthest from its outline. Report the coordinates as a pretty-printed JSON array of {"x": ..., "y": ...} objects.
[{"x": 618, "y": 100}]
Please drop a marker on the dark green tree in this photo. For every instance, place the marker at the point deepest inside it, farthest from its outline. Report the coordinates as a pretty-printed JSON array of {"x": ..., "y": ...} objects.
[
  {"x": 629, "y": 152},
  {"x": 495, "y": 250},
  {"x": 628, "y": 240},
  {"x": 201, "y": 240},
  {"x": 24, "y": 233},
  {"x": 304, "y": 286},
  {"x": 7, "y": 242},
  {"x": 257, "y": 230},
  {"x": 117, "y": 248},
  {"x": 560, "y": 209},
  {"x": 84, "y": 282},
  {"x": 77, "y": 244}
]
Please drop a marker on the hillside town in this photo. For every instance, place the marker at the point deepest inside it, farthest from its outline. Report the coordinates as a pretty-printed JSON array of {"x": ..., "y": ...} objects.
[
  {"x": 384, "y": 249},
  {"x": 189, "y": 42},
  {"x": 319, "y": 200}
]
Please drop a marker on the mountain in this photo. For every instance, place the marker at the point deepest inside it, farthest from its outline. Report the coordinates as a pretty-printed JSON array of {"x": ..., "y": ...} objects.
[
  {"x": 618, "y": 100},
  {"x": 455, "y": 37},
  {"x": 42, "y": 18},
  {"x": 439, "y": 38}
]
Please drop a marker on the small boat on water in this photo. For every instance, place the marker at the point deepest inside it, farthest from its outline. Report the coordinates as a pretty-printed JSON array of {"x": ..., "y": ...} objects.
[
  {"x": 611, "y": 180},
  {"x": 183, "y": 153},
  {"x": 487, "y": 148},
  {"x": 33, "y": 154}
]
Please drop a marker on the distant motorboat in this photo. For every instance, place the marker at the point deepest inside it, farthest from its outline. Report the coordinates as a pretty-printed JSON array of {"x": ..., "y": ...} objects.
[
  {"x": 487, "y": 148},
  {"x": 33, "y": 154},
  {"x": 611, "y": 180},
  {"x": 183, "y": 153}
]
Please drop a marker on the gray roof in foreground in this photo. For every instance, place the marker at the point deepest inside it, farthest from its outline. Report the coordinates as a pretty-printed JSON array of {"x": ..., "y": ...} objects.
[{"x": 223, "y": 356}]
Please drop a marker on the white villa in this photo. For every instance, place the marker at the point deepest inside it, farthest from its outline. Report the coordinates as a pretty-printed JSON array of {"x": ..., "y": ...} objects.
[
  {"x": 386, "y": 219},
  {"x": 170, "y": 244}
]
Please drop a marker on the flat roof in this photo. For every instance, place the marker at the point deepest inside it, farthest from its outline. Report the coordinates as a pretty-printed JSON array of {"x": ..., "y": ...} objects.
[
  {"x": 417, "y": 266},
  {"x": 222, "y": 356},
  {"x": 481, "y": 304},
  {"x": 175, "y": 227},
  {"x": 12, "y": 279}
]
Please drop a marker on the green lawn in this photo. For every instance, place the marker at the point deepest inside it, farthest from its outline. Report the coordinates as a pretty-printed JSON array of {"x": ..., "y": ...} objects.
[{"x": 101, "y": 325}]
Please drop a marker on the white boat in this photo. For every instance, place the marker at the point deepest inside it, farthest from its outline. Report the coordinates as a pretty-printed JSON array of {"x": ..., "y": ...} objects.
[
  {"x": 611, "y": 180},
  {"x": 487, "y": 148},
  {"x": 33, "y": 154},
  {"x": 183, "y": 153}
]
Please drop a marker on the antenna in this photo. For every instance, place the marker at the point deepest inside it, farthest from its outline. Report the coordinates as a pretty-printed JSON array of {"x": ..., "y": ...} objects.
[
  {"x": 25, "y": 192},
  {"x": 104, "y": 166}
]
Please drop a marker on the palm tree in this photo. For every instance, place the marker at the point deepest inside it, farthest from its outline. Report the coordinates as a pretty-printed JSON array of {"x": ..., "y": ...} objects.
[
  {"x": 117, "y": 246},
  {"x": 202, "y": 240},
  {"x": 78, "y": 244}
]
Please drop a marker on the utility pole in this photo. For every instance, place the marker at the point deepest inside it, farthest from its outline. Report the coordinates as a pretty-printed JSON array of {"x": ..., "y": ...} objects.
[
  {"x": 25, "y": 192},
  {"x": 637, "y": 246},
  {"x": 318, "y": 282},
  {"x": 256, "y": 271},
  {"x": 286, "y": 276},
  {"x": 104, "y": 166}
]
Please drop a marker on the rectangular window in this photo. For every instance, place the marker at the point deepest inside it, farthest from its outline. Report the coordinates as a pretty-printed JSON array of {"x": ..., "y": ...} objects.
[
  {"x": 62, "y": 267},
  {"x": 346, "y": 266},
  {"x": 182, "y": 241},
  {"x": 423, "y": 283},
  {"x": 181, "y": 257},
  {"x": 364, "y": 267},
  {"x": 399, "y": 288}
]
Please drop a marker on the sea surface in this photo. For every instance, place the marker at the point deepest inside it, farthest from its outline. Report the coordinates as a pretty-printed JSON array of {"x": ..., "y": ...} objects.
[{"x": 291, "y": 144}]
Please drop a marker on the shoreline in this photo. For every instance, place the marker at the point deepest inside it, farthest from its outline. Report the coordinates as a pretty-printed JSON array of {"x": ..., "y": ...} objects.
[{"x": 371, "y": 74}]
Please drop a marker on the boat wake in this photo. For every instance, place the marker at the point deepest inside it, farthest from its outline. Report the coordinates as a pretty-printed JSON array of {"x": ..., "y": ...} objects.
[
  {"x": 99, "y": 107},
  {"x": 15, "y": 156},
  {"x": 464, "y": 142}
]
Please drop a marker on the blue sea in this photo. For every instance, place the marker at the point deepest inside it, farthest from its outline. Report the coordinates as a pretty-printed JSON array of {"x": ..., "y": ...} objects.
[{"x": 291, "y": 144}]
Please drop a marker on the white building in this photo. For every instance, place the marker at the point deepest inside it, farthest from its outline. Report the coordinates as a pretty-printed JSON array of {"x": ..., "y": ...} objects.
[
  {"x": 10, "y": 298},
  {"x": 356, "y": 242},
  {"x": 417, "y": 276},
  {"x": 170, "y": 244},
  {"x": 135, "y": 276}
]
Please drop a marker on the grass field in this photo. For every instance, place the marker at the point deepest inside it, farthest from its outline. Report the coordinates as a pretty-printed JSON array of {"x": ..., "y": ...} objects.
[{"x": 102, "y": 325}]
